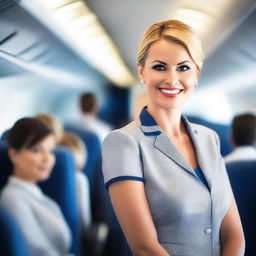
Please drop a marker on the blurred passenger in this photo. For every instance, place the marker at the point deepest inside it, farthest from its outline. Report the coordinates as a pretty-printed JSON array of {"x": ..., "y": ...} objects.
[
  {"x": 53, "y": 123},
  {"x": 77, "y": 147},
  {"x": 31, "y": 146},
  {"x": 243, "y": 138},
  {"x": 165, "y": 176},
  {"x": 90, "y": 121}
]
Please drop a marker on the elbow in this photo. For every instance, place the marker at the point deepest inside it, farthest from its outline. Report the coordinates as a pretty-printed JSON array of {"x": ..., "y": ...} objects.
[
  {"x": 145, "y": 249},
  {"x": 235, "y": 241},
  {"x": 242, "y": 242},
  {"x": 140, "y": 249}
]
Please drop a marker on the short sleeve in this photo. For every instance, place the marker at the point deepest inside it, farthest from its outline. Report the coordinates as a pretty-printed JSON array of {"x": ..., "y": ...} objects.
[{"x": 121, "y": 158}]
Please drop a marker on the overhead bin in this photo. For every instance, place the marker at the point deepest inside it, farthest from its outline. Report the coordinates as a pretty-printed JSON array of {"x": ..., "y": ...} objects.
[{"x": 26, "y": 42}]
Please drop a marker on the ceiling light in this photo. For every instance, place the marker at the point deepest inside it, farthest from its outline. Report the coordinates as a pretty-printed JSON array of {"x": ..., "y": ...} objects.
[{"x": 90, "y": 39}]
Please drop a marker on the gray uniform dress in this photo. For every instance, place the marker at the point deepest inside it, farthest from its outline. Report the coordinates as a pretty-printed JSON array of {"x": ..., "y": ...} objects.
[{"x": 187, "y": 214}]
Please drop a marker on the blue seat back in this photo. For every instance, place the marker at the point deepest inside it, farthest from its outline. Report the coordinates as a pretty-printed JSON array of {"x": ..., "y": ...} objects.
[
  {"x": 93, "y": 146},
  {"x": 12, "y": 241},
  {"x": 3, "y": 136},
  {"x": 61, "y": 187},
  {"x": 102, "y": 210},
  {"x": 242, "y": 177},
  {"x": 5, "y": 165}
]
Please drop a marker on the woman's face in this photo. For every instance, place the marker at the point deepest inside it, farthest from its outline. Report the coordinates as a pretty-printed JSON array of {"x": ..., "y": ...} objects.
[
  {"x": 34, "y": 164},
  {"x": 169, "y": 74}
]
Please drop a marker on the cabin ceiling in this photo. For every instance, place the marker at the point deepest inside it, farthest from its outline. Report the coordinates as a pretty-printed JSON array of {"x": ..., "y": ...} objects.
[
  {"x": 229, "y": 42},
  {"x": 229, "y": 38}
]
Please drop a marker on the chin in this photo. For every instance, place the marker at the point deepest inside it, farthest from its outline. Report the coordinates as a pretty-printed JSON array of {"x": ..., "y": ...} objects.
[
  {"x": 167, "y": 106},
  {"x": 43, "y": 177}
]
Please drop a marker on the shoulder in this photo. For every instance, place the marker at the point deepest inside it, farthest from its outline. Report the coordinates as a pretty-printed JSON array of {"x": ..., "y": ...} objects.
[
  {"x": 203, "y": 130},
  {"x": 128, "y": 134},
  {"x": 12, "y": 194},
  {"x": 13, "y": 198}
]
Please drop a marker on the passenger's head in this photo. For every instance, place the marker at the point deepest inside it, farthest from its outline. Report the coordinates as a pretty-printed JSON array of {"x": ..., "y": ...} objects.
[
  {"x": 31, "y": 146},
  {"x": 88, "y": 103},
  {"x": 170, "y": 59},
  {"x": 77, "y": 147},
  {"x": 244, "y": 130},
  {"x": 53, "y": 123}
]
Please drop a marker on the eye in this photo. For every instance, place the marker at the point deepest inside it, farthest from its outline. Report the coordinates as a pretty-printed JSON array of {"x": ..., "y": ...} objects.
[
  {"x": 36, "y": 149},
  {"x": 183, "y": 68},
  {"x": 159, "y": 67}
]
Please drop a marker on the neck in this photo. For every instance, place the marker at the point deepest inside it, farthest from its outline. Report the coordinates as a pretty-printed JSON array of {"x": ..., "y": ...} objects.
[
  {"x": 168, "y": 120},
  {"x": 20, "y": 176}
]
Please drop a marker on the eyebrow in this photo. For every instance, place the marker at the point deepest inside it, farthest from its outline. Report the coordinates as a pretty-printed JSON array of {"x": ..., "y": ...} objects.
[{"x": 164, "y": 63}]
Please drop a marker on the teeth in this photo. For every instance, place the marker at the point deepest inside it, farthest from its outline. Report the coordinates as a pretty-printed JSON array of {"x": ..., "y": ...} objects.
[{"x": 170, "y": 91}]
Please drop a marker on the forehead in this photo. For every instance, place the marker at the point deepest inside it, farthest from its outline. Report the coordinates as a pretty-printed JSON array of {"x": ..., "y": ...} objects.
[{"x": 168, "y": 51}]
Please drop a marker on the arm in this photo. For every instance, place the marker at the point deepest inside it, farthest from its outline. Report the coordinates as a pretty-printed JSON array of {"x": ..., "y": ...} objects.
[
  {"x": 232, "y": 237},
  {"x": 133, "y": 213}
]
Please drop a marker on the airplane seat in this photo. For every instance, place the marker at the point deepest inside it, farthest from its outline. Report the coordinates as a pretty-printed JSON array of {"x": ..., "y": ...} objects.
[
  {"x": 12, "y": 241},
  {"x": 3, "y": 136},
  {"x": 60, "y": 187},
  {"x": 93, "y": 171},
  {"x": 242, "y": 175},
  {"x": 93, "y": 146},
  {"x": 5, "y": 165},
  {"x": 102, "y": 210},
  {"x": 222, "y": 130}
]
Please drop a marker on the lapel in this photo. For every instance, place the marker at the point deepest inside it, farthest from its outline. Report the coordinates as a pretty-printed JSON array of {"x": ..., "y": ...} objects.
[
  {"x": 165, "y": 145},
  {"x": 202, "y": 154}
]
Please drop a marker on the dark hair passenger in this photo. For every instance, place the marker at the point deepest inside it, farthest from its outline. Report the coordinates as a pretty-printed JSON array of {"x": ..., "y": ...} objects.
[
  {"x": 31, "y": 146},
  {"x": 244, "y": 138}
]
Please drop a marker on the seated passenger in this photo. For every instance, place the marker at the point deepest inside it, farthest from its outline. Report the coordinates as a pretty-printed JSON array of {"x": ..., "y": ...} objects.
[
  {"x": 77, "y": 147},
  {"x": 90, "y": 120},
  {"x": 244, "y": 138},
  {"x": 31, "y": 146},
  {"x": 53, "y": 123}
]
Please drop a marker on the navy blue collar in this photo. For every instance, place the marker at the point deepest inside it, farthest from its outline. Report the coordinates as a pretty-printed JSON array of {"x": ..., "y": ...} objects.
[
  {"x": 148, "y": 123},
  {"x": 150, "y": 127}
]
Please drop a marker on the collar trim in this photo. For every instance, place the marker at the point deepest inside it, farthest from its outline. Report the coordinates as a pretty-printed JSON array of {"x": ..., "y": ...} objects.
[
  {"x": 148, "y": 123},
  {"x": 151, "y": 128}
]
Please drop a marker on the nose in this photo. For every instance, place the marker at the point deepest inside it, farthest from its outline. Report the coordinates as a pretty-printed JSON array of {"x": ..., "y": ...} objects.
[{"x": 172, "y": 78}]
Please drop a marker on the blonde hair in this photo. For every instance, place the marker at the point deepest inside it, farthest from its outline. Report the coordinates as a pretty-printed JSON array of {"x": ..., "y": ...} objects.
[
  {"x": 75, "y": 144},
  {"x": 176, "y": 31},
  {"x": 53, "y": 123}
]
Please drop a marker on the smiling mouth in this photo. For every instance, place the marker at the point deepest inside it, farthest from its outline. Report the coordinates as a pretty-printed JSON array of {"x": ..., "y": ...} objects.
[{"x": 171, "y": 92}]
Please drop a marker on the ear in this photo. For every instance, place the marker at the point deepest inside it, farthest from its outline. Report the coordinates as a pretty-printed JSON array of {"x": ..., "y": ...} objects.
[
  {"x": 140, "y": 72},
  {"x": 12, "y": 154}
]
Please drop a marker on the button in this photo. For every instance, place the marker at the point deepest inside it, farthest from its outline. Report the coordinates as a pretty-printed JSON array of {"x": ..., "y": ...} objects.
[{"x": 208, "y": 230}]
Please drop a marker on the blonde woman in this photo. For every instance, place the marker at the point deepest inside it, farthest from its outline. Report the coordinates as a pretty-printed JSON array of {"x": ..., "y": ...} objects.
[
  {"x": 165, "y": 175},
  {"x": 53, "y": 123}
]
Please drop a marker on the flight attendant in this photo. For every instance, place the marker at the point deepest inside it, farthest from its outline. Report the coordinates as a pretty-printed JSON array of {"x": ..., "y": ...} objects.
[{"x": 165, "y": 175}]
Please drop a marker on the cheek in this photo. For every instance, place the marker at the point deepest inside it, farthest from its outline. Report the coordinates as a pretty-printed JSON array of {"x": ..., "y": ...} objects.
[
  {"x": 153, "y": 78},
  {"x": 189, "y": 80},
  {"x": 52, "y": 161}
]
